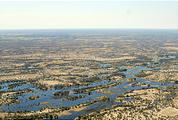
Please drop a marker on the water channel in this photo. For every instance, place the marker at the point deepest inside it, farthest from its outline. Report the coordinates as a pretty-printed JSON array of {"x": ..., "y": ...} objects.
[{"x": 25, "y": 104}]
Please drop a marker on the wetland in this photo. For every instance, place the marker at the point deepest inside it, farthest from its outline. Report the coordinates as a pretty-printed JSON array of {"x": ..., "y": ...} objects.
[{"x": 89, "y": 74}]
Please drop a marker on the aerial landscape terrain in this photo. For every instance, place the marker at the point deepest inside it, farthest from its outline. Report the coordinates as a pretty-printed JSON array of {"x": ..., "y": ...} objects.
[{"x": 95, "y": 74}]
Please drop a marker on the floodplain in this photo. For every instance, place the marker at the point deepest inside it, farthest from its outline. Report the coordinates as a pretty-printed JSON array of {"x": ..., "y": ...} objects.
[{"x": 89, "y": 74}]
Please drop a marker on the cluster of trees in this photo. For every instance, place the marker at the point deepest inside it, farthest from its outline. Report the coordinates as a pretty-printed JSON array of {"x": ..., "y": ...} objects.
[
  {"x": 34, "y": 97},
  {"x": 61, "y": 93}
]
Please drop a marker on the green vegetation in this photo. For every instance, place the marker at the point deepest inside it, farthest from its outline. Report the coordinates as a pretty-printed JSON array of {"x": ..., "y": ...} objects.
[
  {"x": 12, "y": 86},
  {"x": 61, "y": 93},
  {"x": 142, "y": 74},
  {"x": 33, "y": 97}
]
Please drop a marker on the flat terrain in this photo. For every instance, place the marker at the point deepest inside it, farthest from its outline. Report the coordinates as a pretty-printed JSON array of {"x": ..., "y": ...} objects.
[{"x": 89, "y": 74}]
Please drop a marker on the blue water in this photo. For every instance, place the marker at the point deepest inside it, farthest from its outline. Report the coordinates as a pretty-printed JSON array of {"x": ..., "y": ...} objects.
[
  {"x": 55, "y": 102},
  {"x": 105, "y": 65},
  {"x": 170, "y": 56}
]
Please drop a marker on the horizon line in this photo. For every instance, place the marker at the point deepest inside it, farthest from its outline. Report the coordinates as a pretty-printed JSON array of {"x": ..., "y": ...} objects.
[{"x": 89, "y": 28}]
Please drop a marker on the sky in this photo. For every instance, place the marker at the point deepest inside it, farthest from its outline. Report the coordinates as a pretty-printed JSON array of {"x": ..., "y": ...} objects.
[{"x": 69, "y": 14}]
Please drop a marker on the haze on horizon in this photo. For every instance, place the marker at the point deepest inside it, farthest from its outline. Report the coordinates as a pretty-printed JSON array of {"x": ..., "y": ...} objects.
[{"x": 88, "y": 14}]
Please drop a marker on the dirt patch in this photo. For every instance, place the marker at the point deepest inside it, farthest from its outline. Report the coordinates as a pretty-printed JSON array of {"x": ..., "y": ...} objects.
[
  {"x": 169, "y": 112},
  {"x": 106, "y": 91},
  {"x": 52, "y": 82}
]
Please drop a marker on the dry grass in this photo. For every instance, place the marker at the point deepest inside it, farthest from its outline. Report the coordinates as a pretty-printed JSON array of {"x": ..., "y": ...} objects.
[
  {"x": 106, "y": 91},
  {"x": 170, "y": 48},
  {"x": 43, "y": 103},
  {"x": 175, "y": 101},
  {"x": 49, "y": 83},
  {"x": 164, "y": 75},
  {"x": 20, "y": 77},
  {"x": 169, "y": 112},
  {"x": 148, "y": 94},
  {"x": 170, "y": 43}
]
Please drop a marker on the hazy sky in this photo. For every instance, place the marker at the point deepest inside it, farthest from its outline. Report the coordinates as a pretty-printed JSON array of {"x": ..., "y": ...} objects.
[{"x": 88, "y": 14}]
